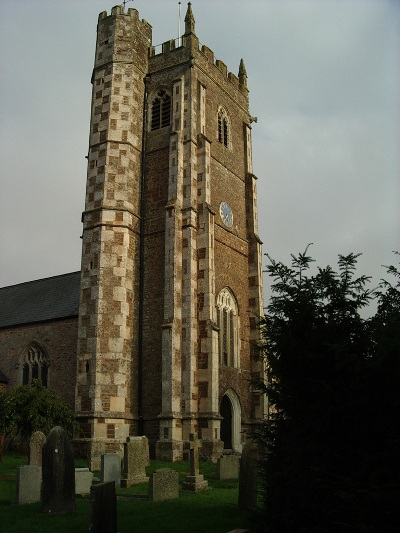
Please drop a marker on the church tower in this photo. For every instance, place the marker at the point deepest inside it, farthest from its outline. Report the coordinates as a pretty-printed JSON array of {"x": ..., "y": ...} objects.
[{"x": 171, "y": 285}]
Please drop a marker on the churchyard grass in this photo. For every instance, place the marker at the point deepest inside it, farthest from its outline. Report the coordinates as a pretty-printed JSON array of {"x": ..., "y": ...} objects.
[{"x": 214, "y": 511}]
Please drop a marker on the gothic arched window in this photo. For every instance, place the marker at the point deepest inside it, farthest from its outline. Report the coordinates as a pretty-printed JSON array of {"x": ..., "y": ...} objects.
[
  {"x": 161, "y": 111},
  {"x": 35, "y": 365},
  {"x": 223, "y": 128},
  {"x": 227, "y": 320}
]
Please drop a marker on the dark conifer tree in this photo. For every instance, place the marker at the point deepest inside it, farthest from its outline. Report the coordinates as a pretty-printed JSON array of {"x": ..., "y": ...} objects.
[{"x": 330, "y": 444}]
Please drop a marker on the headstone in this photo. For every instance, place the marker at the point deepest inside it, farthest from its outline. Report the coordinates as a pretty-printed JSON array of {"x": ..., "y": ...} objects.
[
  {"x": 58, "y": 471},
  {"x": 228, "y": 467},
  {"x": 135, "y": 461},
  {"x": 83, "y": 481},
  {"x": 29, "y": 481},
  {"x": 36, "y": 444},
  {"x": 248, "y": 478},
  {"x": 1, "y": 446},
  {"x": 103, "y": 508},
  {"x": 164, "y": 485},
  {"x": 111, "y": 468},
  {"x": 194, "y": 482}
]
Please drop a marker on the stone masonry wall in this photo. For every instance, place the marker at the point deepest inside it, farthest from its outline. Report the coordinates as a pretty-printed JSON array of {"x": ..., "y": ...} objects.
[{"x": 58, "y": 339}]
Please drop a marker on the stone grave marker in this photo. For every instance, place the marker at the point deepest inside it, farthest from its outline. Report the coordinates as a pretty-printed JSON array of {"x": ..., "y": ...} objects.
[
  {"x": 29, "y": 481},
  {"x": 111, "y": 468},
  {"x": 164, "y": 485},
  {"x": 83, "y": 481},
  {"x": 194, "y": 482},
  {"x": 248, "y": 478},
  {"x": 228, "y": 467},
  {"x": 58, "y": 473},
  {"x": 1, "y": 446},
  {"x": 36, "y": 443},
  {"x": 135, "y": 461},
  {"x": 103, "y": 508}
]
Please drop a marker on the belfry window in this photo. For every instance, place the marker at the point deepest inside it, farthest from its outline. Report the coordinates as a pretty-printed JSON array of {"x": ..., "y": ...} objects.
[
  {"x": 161, "y": 111},
  {"x": 223, "y": 128},
  {"x": 227, "y": 320},
  {"x": 35, "y": 365}
]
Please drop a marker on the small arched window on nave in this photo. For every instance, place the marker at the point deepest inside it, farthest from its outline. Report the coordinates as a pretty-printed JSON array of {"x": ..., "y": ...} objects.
[
  {"x": 35, "y": 365},
  {"x": 160, "y": 111}
]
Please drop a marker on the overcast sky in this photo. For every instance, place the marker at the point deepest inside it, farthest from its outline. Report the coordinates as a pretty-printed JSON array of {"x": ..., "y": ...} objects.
[{"x": 324, "y": 82}]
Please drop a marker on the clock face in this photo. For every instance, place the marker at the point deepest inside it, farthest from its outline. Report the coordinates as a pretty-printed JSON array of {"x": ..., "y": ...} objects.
[{"x": 226, "y": 214}]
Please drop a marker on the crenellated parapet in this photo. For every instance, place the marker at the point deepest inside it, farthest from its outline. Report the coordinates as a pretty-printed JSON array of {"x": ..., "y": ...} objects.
[{"x": 184, "y": 49}]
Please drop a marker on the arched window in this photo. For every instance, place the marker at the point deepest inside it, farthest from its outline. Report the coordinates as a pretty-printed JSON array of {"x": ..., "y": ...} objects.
[
  {"x": 161, "y": 111},
  {"x": 35, "y": 365},
  {"x": 223, "y": 128},
  {"x": 227, "y": 319}
]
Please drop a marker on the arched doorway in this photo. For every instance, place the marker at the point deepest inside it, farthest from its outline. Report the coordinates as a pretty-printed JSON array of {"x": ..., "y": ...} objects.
[
  {"x": 231, "y": 413},
  {"x": 226, "y": 423}
]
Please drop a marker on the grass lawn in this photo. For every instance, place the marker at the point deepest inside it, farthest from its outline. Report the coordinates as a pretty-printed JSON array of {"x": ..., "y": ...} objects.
[{"x": 210, "y": 511}]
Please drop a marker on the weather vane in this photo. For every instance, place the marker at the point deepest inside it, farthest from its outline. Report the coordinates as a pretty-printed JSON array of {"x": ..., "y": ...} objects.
[{"x": 125, "y": 2}]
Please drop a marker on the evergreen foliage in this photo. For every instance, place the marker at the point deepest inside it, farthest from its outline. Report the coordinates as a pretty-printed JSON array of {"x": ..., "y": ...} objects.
[
  {"x": 330, "y": 460},
  {"x": 29, "y": 408}
]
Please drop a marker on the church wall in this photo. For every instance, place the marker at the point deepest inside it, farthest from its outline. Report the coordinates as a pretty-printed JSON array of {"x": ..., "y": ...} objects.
[
  {"x": 58, "y": 339},
  {"x": 156, "y": 187}
]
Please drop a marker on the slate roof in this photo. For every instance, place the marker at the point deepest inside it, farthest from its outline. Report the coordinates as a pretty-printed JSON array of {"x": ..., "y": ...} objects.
[{"x": 40, "y": 300}]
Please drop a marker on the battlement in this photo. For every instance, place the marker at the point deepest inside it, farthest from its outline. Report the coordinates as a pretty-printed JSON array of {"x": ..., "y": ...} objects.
[
  {"x": 188, "y": 45},
  {"x": 173, "y": 45},
  {"x": 119, "y": 10}
]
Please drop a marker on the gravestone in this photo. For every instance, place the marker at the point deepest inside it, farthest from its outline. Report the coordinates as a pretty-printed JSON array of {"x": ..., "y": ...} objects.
[
  {"x": 58, "y": 472},
  {"x": 111, "y": 468},
  {"x": 248, "y": 478},
  {"x": 83, "y": 481},
  {"x": 135, "y": 461},
  {"x": 194, "y": 482},
  {"x": 228, "y": 467},
  {"x": 29, "y": 481},
  {"x": 103, "y": 508},
  {"x": 1, "y": 446},
  {"x": 164, "y": 485},
  {"x": 36, "y": 443}
]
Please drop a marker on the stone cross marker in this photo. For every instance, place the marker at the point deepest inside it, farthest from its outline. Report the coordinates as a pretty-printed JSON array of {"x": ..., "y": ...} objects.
[
  {"x": 36, "y": 444},
  {"x": 194, "y": 482},
  {"x": 194, "y": 445},
  {"x": 58, "y": 472}
]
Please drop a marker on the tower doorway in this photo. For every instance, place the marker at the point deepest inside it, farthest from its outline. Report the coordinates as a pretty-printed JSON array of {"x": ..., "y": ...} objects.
[
  {"x": 231, "y": 424},
  {"x": 226, "y": 423}
]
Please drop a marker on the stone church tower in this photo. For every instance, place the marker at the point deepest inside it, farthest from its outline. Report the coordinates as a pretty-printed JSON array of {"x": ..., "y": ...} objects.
[{"x": 171, "y": 285}]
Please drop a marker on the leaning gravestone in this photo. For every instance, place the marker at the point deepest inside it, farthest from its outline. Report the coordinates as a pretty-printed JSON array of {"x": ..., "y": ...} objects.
[
  {"x": 111, "y": 468},
  {"x": 248, "y": 478},
  {"x": 29, "y": 481},
  {"x": 228, "y": 467},
  {"x": 36, "y": 444},
  {"x": 58, "y": 472},
  {"x": 194, "y": 482},
  {"x": 164, "y": 485},
  {"x": 135, "y": 461},
  {"x": 103, "y": 508}
]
